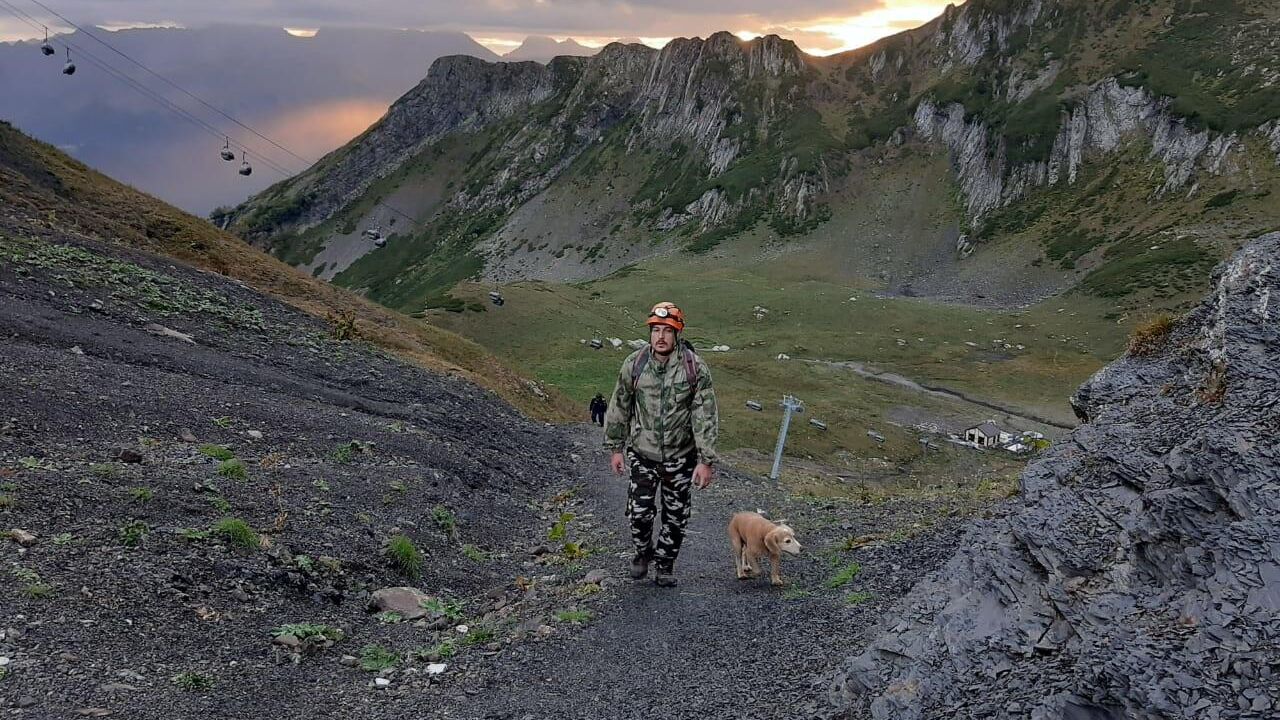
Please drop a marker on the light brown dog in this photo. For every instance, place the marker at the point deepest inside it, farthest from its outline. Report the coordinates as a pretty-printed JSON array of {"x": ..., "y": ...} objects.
[{"x": 751, "y": 536}]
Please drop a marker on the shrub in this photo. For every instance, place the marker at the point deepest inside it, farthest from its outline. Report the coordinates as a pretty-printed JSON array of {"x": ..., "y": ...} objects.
[
  {"x": 451, "y": 609},
  {"x": 474, "y": 553},
  {"x": 1150, "y": 337},
  {"x": 237, "y": 532},
  {"x": 106, "y": 470},
  {"x": 479, "y": 636},
  {"x": 133, "y": 533},
  {"x": 220, "y": 504},
  {"x": 232, "y": 468},
  {"x": 404, "y": 556},
  {"x": 858, "y": 598},
  {"x": 444, "y": 518},
  {"x": 141, "y": 494}
]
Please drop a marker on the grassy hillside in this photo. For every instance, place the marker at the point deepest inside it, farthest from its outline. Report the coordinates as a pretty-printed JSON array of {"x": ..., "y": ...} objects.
[{"x": 43, "y": 189}]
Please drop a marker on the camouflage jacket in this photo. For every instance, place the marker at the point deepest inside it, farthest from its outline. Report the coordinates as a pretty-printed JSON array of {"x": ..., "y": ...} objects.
[{"x": 658, "y": 419}]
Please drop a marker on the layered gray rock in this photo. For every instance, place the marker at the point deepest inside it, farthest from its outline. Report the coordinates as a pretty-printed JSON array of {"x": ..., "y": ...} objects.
[{"x": 1138, "y": 575}]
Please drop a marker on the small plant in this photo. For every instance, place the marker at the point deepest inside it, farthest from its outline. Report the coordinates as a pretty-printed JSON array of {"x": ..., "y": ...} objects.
[
  {"x": 62, "y": 539},
  {"x": 233, "y": 469},
  {"x": 193, "y": 681},
  {"x": 346, "y": 452},
  {"x": 191, "y": 534},
  {"x": 475, "y": 554},
  {"x": 141, "y": 494},
  {"x": 344, "y": 326},
  {"x": 237, "y": 532},
  {"x": 304, "y": 563},
  {"x": 8, "y": 501},
  {"x": 389, "y": 617},
  {"x": 577, "y": 617},
  {"x": 444, "y": 518},
  {"x": 31, "y": 463},
  {"x": 796, "y": 593},
  {"x": 1151, "y": 336},
  {"x": 398, "y": 485},
  {"x": 845, "y": 576},
  {"x": 321, "y": 485},
  {"x": 857, "y": 598},
  {"x": 437, "y": 606},
  {"x": 217, "y": 452},
  {"x": 106, "y": 470},
  {"x": 376, "y": 658},
  {"x": 133, "y": 533},
  {"x": 223, "y": 422},
  {"x": 561, "y": 527},
  {"x": 38, "y": 590},
  {"x": 575, "y": 551},
  {"x": 479, "y": 636},
  {"x": 311, "y": 634},
  {"x": 220, "y": 504},
  {"x": 404, "y": 556},
  {"x": 441, "y": 651}
]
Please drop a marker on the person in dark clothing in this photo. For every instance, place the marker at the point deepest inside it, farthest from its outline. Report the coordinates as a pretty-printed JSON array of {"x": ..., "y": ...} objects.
[{"x": 598, "y": 408}]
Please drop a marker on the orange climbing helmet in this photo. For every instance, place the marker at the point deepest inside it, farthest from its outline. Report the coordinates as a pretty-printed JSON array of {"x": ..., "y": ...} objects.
[{"x": 665, "y": 313}]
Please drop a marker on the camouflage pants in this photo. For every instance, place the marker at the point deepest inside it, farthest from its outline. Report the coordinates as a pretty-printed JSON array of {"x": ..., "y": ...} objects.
[{"x": 669, "y": 484}]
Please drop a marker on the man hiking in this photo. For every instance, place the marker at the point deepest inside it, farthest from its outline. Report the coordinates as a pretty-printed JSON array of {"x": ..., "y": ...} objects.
[
  {"x": 598, "y": 406},
  {"x": 663, "y": 414}
]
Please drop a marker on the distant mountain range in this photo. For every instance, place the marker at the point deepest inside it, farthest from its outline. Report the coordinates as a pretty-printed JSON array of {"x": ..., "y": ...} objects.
[
  {"x": 309, "y": 94},
  {"x": 541, "y": 49}
]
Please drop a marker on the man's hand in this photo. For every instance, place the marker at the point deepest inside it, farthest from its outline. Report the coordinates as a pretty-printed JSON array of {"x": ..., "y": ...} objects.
[
  {"x": 616, "y": 462},
  {"x": 702, "y": 475}
]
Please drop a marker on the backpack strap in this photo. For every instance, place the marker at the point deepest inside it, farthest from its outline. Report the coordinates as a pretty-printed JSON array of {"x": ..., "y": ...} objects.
[{"x": 690, "y": 367}]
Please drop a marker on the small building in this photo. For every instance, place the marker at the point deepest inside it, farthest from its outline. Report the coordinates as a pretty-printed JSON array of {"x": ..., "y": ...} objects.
[{"x": 984, "y": 435}]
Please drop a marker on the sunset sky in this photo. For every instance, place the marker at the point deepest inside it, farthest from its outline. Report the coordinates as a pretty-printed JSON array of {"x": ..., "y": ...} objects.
[{"x": 818, "y": 26}]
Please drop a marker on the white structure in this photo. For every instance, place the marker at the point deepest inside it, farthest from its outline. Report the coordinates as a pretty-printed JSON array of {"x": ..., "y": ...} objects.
[{"x": 984, "y": 435}]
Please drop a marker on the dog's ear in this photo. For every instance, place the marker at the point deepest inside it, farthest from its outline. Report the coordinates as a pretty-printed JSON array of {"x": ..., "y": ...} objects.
[{"x": 771, "y": 542}]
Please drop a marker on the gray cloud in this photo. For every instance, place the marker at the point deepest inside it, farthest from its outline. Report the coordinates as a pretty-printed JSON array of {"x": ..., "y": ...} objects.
[{"x": 648, "y": 18}]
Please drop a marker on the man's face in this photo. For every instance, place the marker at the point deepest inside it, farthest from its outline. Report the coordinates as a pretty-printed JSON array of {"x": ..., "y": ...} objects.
[{"x": 662, "y": 338}]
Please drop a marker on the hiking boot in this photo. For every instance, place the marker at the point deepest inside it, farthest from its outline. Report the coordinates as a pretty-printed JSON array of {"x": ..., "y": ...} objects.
[
  {"x": 639, "y": 566},
  {"x": 664, "y": 576}
]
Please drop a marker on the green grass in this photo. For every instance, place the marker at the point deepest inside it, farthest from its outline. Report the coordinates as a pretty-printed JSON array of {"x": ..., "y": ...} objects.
[
  {"x": 106, "y": 470},
  {"x": 857, "y": 598},
  {"x": 310, "y": 633},
  {"x": 844, "y": 576},
  {"x": 141, "y": 494},
  {"x": 217, "y": 452},
  {"x": 479, "y": 635},
  {"x": 376, "y": 658},
  {"x": 452, "y": 609},
  {"x": 233, "y": 469},
  {"x": 220, "y": 504},
  {"x": 475, "y": 554},
  {"x": 404, "y": 556},
  {"x": 444, "y": 518},
  {"x": 193, "y": 681},
  {"x": 576, "y": 617},
  {"x": 133, "y": 533},
  {"x": 237, "y": 533}
]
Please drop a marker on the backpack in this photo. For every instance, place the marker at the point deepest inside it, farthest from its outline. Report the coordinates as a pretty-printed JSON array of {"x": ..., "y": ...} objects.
[{"x": 690, "y": 366}]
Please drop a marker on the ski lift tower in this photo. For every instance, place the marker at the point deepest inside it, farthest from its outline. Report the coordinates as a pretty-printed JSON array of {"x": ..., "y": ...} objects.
[{"x": 790, "y": 404}]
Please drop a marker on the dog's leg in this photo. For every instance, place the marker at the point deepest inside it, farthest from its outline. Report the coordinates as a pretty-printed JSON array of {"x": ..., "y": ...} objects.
[
  {"x": 753, "y": 564},
  {"x": 736, "y": 541},
  {"x": 775, "y": 565}
]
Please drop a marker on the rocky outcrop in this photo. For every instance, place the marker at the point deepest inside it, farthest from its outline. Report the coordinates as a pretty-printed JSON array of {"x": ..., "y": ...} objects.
[
  {"x": 1138, "y": 576},
  {"x": 1104, "y": 122},
  {"x": 696, "y": 93}
]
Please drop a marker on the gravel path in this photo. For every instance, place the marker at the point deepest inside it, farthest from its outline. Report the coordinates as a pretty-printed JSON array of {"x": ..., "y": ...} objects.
[{"x": 717, "y": 647}]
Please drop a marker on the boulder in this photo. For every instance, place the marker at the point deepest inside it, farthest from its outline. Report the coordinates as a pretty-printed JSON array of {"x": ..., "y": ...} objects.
[{"x": 405, "y": 601}]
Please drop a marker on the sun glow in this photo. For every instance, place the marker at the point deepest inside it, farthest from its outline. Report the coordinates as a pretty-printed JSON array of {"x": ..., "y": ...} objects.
[
  {"x": 854, "y": 32},
  {"x": 302, "y": 32}
]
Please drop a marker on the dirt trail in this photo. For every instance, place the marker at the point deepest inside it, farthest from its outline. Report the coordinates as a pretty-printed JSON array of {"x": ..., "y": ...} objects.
[
  {"x": 892, "y": 378},
  {"x": 714, "y": 647}
]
